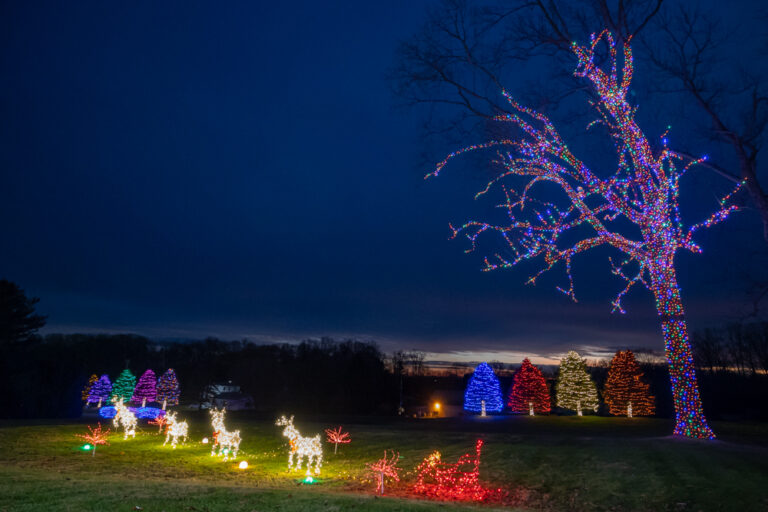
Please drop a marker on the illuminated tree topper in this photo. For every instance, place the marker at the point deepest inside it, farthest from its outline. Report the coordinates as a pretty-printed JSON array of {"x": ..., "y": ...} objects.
[{"x": 643, "y": 191}]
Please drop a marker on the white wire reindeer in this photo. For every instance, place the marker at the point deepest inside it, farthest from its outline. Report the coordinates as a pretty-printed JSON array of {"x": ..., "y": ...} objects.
[
  {"x": 309, "y": 447},
  {"x": 175, "y": 429},
  {"x": 124, "y": 417},
  {"x": 227, "y": 442}
]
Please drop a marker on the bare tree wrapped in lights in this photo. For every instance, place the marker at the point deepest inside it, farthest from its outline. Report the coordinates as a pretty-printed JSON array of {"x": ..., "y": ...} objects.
[{"x": 643, "y": 191}]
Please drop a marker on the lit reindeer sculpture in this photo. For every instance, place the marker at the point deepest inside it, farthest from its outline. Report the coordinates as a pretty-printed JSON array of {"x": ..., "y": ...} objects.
[
  {"x": 309, "y": 447},
  {"x": 124, "y": 417},
  {"x": 175, "y": 429},
  {"x": 227, "y": 442}
]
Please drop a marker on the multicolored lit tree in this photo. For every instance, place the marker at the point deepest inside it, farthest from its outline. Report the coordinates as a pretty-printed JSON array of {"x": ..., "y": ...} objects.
[
  {"x": 529, "y": 393},
  {"x": 634, "y": 210},
  {"x": 123, "y": 387},
  {"x": 168, "y": 388},
  {"x": 145, "y": 389},
  {"x": 100, "y": 391},
  {"x": 625, "y": 392},
  {"x": 87, "y": 389},
  {"x": 483, "y": 391},
  {"x": 575, "y": 388}
]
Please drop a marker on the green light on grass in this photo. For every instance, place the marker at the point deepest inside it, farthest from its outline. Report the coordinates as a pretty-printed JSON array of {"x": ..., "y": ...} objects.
[{"x": 86, "y": 447}]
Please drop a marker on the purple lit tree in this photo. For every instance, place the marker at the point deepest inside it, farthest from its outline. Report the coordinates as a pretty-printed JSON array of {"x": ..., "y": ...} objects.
[
  {"x": 145, "y": 389},
  {"x": 100, "y": 391},
  {"x": 593, "y": 211}
]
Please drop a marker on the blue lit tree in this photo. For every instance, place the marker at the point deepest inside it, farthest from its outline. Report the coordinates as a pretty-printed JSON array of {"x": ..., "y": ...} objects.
[{"x": 483, "y": 385}]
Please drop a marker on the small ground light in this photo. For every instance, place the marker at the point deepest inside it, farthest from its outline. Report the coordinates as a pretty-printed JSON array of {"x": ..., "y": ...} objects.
[
  {"x": 309, "y": 480},
  {"x": 87, "y": 447},
  {"x": 243, "y": 465},
  {"x": 205, "y": 440}
]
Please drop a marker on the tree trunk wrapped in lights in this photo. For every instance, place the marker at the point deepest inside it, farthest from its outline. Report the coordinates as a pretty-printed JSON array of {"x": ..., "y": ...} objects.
[
  {"x": 529, "y": 393},
  {"x": 625, "y": 392},
  {"x": 575, "y": 388},
  {"x": 643, "y": 192}
]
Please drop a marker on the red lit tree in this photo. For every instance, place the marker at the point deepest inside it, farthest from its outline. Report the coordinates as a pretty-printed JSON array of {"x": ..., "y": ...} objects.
[
  {"x": 633, "y": 209},
  {"x": 529, "y": 393},
  {"x": 337, "y": 437},
  {"x": 625, "y": 392},
  {"x": 95, "y": 437},
  {"x": 385, "y": 467}
]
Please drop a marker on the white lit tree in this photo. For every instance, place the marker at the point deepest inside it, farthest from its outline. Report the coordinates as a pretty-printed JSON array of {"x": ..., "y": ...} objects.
[{"x": 575, "y": 388}]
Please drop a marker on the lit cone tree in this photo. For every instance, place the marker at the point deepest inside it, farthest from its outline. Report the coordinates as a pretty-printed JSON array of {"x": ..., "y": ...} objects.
[
  {"x": 529, "y": 393},
  {"x": 145, "y": 390},
  {"x": 634, "y": 210},
  {"x": 575, "y": 388},
  {"x": 625, "y": 392},
  {"x": 168, "y": 388},
  {"x": 87, "y": 389},
  {"x": 123, "y": 387},
  {"x": 483, "y": 387},
  {"x": 100, "y": 391}
]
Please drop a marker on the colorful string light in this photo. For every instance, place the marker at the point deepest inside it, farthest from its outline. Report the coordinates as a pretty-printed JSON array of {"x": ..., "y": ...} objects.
[
  {"x": 575, "y": 388},
  {"x": 483, "y": 391},
  {"x": 458, "y": 481},
  {"x": 643, "y": 191},
  {"x": 168, "y": 388},
  {"x": 385, "y": 467},
  {"x": 309, "y": 447},
  {"x": 529, "y": 392},
  {"x": 123, "y": 387},
  {"x": 337, "y": 437},
  {"x": 93, "y": 379},
  {"x": 625, "y": 391}
]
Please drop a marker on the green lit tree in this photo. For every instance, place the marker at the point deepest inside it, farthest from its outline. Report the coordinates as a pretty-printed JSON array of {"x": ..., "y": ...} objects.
[
  {"x": 575, "y": 389},
  {"x": 123, "y": 387}
]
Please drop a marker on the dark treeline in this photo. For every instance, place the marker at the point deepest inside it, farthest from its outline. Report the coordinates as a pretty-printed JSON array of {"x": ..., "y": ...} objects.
[{"x": 44, "y": 377}]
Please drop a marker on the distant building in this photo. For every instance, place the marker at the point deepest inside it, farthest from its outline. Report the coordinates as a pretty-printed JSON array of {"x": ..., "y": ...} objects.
[{"x": 226, "y": 395}]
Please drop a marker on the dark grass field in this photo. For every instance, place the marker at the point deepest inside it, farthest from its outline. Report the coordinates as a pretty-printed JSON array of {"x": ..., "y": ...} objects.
[{"x": 543, "y": 463}]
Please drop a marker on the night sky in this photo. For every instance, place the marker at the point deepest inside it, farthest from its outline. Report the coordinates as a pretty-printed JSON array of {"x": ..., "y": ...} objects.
[{"x": 187, "y": 169}]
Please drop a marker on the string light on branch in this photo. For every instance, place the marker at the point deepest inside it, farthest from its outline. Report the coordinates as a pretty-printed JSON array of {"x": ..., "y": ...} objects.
[
  {"x": 100, "y": 391},
  {"x": 301, "y": 447},
  {"x": 575, "y": 388},
  {"x": 93, "y": 379},
  {"x": 453, "y": 481},
  {"x": 95, "y": 437},
  {"x": 595, "y": 211},
  {"x": 168, "y": 390},
  {"x": 483, "y": 391},
  {"x": 337, "y": 437},
  {"x": 385, "y": 467}
]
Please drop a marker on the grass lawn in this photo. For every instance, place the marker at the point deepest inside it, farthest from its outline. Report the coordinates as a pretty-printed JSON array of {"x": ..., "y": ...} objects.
[{"x": 549, "y": 463}]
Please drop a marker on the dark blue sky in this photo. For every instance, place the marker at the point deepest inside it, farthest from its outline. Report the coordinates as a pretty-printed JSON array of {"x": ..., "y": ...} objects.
[{"x": 185, "y": 169}]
